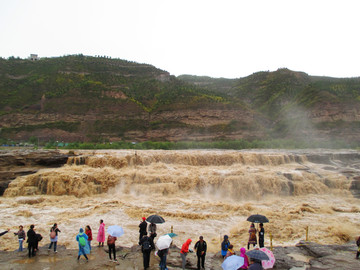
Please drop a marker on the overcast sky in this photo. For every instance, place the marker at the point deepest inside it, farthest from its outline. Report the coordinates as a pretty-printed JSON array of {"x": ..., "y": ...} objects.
[{"x": 225, "y": 38}]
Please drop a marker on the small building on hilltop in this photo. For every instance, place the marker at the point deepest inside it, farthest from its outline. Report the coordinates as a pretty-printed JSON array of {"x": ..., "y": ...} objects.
[{"x": 34, "y": 57}]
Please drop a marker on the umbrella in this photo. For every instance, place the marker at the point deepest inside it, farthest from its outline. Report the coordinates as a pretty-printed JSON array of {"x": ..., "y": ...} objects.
[
  {"x": 269, "y": 263},
  {"x": 257, "y": 255},
  {"x": 257, "y": 219},
  {"x": 115, "y": 231},
  {"x": 163, "y": 242},
  {"x": 155, "y": 219},
  {"x": 232, "y": 262},
  {"x": 171, "y": 234}
]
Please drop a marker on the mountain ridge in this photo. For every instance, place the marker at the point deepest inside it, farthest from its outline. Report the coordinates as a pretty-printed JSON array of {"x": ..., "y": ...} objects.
[{"x": 84, "y": 98}]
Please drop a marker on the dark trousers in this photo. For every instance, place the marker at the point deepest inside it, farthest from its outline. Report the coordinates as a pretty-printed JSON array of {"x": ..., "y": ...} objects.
[
  {"x": 31, "y": 248},
  {"x": 261, "y": 243},
  {"x": 202, "y": 258},
  {"x": 357, "y": 254},
  {"x": 55, "y": 243},
  {"x": 146, "y": 257},
  {"x": 112, "y": 248}
]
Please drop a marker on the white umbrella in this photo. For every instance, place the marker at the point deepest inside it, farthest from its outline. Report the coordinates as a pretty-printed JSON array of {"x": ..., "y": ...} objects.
[
  {"x": 233, "y": 262},
  {"x": 115, "y": 231},
  {"x": 163, "y": 242}
]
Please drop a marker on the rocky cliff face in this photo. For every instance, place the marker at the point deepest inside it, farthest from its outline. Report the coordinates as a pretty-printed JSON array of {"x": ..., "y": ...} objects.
[{"x": 17, "y": 163}]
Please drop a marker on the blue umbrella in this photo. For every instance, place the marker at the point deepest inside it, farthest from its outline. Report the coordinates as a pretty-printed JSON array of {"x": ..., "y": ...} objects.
[
  {"x": 115, "y": 231},
  {"x": 233, "y": 262},
  {"x": 171, "y": 234}
]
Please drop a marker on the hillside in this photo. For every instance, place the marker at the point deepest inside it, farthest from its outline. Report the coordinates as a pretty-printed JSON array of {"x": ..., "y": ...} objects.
[{"x": 83, "y": 98}]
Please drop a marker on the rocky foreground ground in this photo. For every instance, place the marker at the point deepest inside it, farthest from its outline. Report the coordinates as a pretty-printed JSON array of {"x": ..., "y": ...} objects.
[{"x": 305, "y": 255}]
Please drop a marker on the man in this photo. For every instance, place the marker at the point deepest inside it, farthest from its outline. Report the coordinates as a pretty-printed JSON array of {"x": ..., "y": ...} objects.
[
  {"x": 261, "y": 235},
  {"x": 147, "y": 245},
  {"x": 200, "y": 248},
  {"x": 224, "y": 246},
  {"x": 32, "y": 241},
  {"x": 143, "y": 228}
]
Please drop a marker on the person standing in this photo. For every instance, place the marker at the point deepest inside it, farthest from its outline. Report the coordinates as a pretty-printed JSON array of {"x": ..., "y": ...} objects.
[
  {"x": 32, "y": 240},
  {"x": 21, "y": 236},
  {"x": 111, "y": 245},
  {"x": 163, "y": 254},
  {"x": 200, "y": 247},
  {"x": 101, "y": 233},
  {"x": 142, "y": 229},
  {"x": 89, "y": 235},
  {"x": 81, "y": 238},
  {"x": 152, "y": 229},
  {"x": 184, "y": 252},
  {"x": 225, "y": 246},
  {"x": 54, "y": 237},
  {"x": 246, "y": 259},
  {"x": 147, "y": 244},
  {"x": 261, "y": 235},
  {"x": 252, "y": 236}
]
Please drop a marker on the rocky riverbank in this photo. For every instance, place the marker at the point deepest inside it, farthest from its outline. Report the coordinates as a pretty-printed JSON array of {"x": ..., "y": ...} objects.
[{"x": 305, "y": 255}]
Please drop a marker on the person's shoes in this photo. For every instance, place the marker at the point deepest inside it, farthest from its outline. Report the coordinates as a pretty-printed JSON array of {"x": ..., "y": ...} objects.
[
  {"x": 55, "y": 251},
  {"x": 110, "y": 260}
]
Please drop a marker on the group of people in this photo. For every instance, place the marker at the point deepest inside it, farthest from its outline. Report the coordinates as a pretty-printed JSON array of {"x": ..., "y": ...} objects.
[{"x": 146, "y": 241}]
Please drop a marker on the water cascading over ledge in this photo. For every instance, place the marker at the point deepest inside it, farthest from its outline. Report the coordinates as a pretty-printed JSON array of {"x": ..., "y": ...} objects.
[{"x": 235, "y": 174}]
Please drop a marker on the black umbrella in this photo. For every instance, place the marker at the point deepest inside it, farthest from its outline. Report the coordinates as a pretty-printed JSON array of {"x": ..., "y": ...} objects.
[
  {"x": 155, "y": 219},
  {"x": 257, "y": 255},
  {"x": 257, "y": 219}
]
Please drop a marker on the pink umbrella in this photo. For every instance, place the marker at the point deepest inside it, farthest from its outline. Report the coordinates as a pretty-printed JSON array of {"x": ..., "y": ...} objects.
[{"x": 269, "y": 263}]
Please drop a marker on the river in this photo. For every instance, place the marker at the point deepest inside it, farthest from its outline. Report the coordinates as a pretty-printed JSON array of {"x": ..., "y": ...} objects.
[{"x": 198, "y": 192}]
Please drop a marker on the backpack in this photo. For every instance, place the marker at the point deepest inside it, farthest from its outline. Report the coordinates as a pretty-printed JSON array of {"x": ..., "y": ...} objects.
[
  {"x": 146, "y": 244},
  {"x": 110, "y": 240},
  {"x": 39, "y": 237},
  {"x": 52, "y": 233},
  {"x": 82, "y": 241}
]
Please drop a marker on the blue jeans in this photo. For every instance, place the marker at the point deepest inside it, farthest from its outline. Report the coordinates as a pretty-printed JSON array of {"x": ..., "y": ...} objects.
[
  {"x": 89, "y": 243},
  {"x": 20, "y": 244},
  {"x": 163, "y": 262},
  {"x": 54, "y": 245}
]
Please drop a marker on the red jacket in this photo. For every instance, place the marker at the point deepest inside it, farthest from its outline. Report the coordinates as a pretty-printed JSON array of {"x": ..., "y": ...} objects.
[
  {"x": 89, "y": 234},
  {"x": 185, "y": 246}
]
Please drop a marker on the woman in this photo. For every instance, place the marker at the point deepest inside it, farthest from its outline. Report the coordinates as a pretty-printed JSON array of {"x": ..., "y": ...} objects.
[
  {"x": 246, "y": 259},
  {"x": 184, "y": 251},
  {"x": 89, "y": 235},
  {"x": 54, "y": 237},
  {"x": 230, "y": 251},
  {"x": 81, "y": 238},
  {"x": 252, "y": 236},
  {"x": 21, "y": 236},
  {"x": 111, "y": 245},
  {"x": 225, "y": 246},
  {"x": 101, "y": 233}
]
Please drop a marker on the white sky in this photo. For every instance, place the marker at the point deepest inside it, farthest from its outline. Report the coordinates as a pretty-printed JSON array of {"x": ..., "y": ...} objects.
[{"x": 218, "y": 38}]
